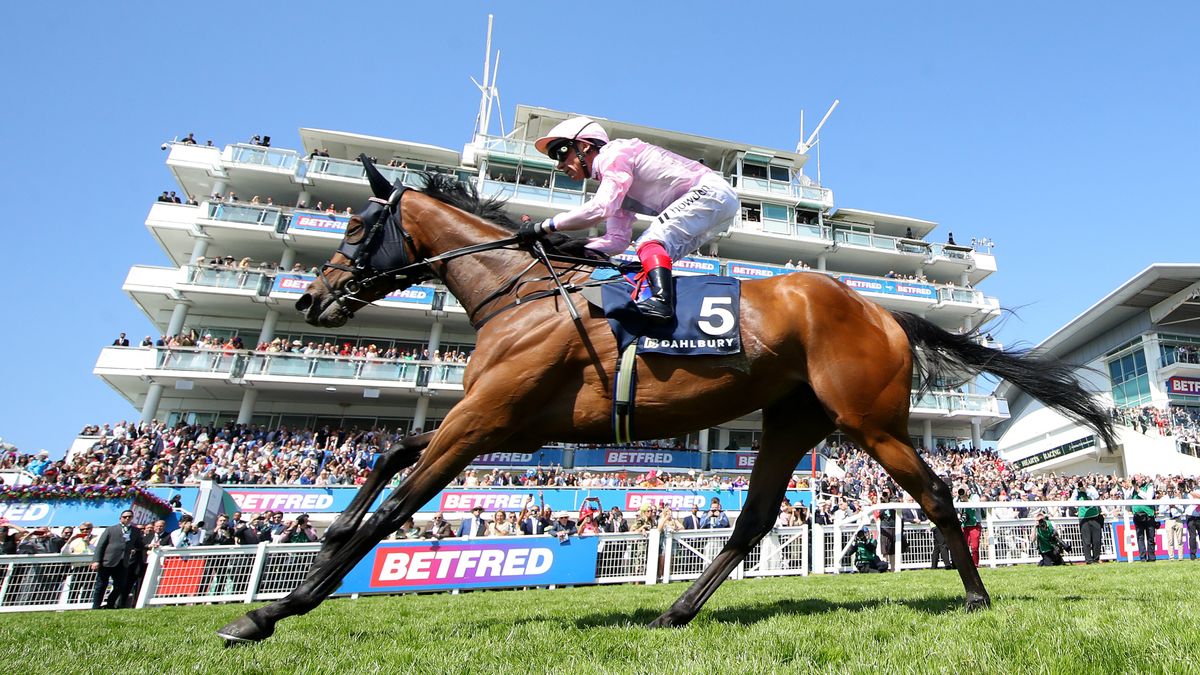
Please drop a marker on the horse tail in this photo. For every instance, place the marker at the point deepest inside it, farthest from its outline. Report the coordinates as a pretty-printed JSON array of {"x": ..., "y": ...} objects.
[{"x": 1053, "y": 382}]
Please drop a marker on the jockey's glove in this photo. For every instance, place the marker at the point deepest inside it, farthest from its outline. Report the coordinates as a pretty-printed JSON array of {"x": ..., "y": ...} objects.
[{"x": 530, "y": 231}]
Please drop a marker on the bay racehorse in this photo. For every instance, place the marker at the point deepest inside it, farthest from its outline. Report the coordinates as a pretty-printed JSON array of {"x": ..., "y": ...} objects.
[{"x": 817, "y": 357}]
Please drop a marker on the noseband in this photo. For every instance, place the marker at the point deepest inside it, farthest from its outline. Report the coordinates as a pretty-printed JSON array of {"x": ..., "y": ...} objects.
[{"x": 381, "y": 222}]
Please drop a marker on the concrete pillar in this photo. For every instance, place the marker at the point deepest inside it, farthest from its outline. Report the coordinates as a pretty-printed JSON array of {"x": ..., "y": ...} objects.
[
  {"x": 198, "y": 249},
  {"x": 219, "y": 186},
  {"x": 927, "y": 434},
  {"x": 150, "y": 407},
  {"x": 288, "y": 257},
  {"x": 976, "y": 433},
  {"x": 178, "y": 316},
  {"x": 268, "y": 327},
  {"x": 704, "y": 440},
  {"x": 722, "y": 438},
  {"x": 421, "y": 413},
  {"x": 246, "y": 411},
  {"x": 435, "y": 337},
  {"x": 302, "y": 199},
  {"x": 821, "y": 262},
  {"x": 965, "y": 280}
]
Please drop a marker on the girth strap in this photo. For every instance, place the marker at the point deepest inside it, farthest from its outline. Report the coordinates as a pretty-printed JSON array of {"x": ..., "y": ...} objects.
[{"x": 625, "y": 394}]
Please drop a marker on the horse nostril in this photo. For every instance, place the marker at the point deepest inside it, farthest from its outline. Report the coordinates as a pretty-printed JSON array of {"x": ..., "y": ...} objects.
[{"x": 304, "y": 302}]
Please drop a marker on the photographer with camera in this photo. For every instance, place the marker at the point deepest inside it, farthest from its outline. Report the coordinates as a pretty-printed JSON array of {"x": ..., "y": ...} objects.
[
  {"x": 1048, "y": 543},
  {"x": 1091, "y": 521},
  {"x": 972, "y": 526},
  {"x": 1144, "y": 521},
  {"x": 866, "y": 561},
  {"x": 1191, "y": 516},
  {"x": 297, "y": 531},
  {"x": 186, "y": 535}
]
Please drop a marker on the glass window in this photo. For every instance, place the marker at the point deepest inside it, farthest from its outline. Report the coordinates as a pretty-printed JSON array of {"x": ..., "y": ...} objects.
[
  {"x": 775, "y": 212},
  {"x": 1130, "y": 383},
  {"x": 780, "y": 173},
  {"x": 563, "y": 182},
  {"x": 753, "y": 170}
]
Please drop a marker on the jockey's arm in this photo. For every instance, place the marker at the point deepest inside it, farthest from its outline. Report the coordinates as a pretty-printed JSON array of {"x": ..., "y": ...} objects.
[{"x": 616, "y": 179}]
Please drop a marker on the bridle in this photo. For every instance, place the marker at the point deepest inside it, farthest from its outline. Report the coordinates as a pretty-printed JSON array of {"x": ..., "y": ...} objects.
[{"x": 386, "y": 250}]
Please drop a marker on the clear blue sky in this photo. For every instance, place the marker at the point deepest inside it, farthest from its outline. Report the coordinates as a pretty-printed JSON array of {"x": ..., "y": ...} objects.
[{"x": 1066, "y": 132}]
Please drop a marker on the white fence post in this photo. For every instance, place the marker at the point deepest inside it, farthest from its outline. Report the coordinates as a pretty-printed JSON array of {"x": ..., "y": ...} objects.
[
  {"x": 991, "y": 532},
  {"x": 668, "y": 550},
  {"x": 817, "y": 550},
  {"x": 260, "y": 561},
  {"x": 652, "y": 546},
  {"x": 154, "y": 566}
]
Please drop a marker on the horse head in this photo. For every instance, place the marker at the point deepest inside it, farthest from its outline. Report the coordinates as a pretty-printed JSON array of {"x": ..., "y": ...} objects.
[{"x": 376, "y": 257}]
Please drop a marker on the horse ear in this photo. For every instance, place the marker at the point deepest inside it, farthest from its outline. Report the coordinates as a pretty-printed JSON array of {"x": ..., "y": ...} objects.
[{"x": 380, "y": 186}]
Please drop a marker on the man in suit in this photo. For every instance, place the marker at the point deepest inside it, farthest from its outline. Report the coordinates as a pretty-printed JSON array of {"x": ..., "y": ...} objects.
[
  {"x": 438, "y": 528},
  {"x": 118, "y": 551},
  {"x": 692, "y": 521},
  {"x": 475, "y": 526},
  {"x": 534, "y": 523}
]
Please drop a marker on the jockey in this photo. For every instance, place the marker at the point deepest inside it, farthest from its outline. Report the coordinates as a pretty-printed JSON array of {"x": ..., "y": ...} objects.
[{"x": 689, "y": 202}]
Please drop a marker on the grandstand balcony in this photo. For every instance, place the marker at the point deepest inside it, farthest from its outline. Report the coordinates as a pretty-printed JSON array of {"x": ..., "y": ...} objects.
[
  {"x": 1178, "y": 364},
  {"x": 211, "y": 373},
  {"x": 240, "y": 294},
  {"x": 948, "y": 405}
]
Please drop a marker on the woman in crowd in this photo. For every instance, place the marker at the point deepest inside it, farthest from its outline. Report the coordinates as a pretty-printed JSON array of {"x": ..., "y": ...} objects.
[{"x": 500, "y": 526}]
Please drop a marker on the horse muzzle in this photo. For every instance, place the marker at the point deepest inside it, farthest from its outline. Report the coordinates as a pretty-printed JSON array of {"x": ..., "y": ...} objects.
[{"x": 324, "y": 310}]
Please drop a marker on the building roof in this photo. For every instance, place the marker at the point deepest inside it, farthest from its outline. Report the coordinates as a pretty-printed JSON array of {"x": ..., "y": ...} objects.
[{"x": 1170, "y": 292}]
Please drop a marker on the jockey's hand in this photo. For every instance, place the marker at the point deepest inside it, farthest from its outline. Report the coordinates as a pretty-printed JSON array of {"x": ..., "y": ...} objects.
[{"x": 530, "y": 231}]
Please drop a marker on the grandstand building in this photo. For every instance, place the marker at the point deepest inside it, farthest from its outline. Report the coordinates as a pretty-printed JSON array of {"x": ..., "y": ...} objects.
[
  {"x": 234, "y": 267},
  {"x": 1140, "y": 348}
]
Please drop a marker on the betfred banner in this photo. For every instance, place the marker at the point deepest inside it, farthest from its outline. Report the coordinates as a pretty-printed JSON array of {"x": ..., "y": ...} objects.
[
  {"x": 319, "y": 222},
  {"x": 1125, "y": 539},
  {"x": 1188, "y": 386},
  {"x": 54, "y": 513},
  {"x": 253, "y": 499},
  {"x": 738, "y": 462},
  {"x": 642, "y": 458},
  {"x": 478, "y": 563},
  {"x": 908, "y": 289},
  {"x": 548, "y": 457},
  {"x": 291, "y": 283},
  {"x": 457, "y": 502},
  {"x": 742, "y": 270},
  {"x": 295, "y": 284},
  {"x": 686, "y": 266},
  {"x": 417, "y": 295}
]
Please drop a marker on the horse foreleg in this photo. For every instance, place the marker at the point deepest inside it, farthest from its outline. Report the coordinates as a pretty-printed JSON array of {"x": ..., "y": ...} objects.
[
  {"x": 454, "y": 446},
  {"x": 790, "y": 428},
  {"x": 399, "y": 457}
]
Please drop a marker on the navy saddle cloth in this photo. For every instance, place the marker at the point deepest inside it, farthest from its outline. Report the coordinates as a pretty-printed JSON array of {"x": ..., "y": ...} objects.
[{"x": 706, "y": 318}]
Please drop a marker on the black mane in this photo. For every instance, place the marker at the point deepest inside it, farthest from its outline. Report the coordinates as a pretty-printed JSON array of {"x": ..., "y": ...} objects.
[{"x": 462, "y": 195}]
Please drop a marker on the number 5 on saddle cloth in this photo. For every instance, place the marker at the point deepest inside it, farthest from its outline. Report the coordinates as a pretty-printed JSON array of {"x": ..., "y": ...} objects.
[{"x": 706, "y": 324}]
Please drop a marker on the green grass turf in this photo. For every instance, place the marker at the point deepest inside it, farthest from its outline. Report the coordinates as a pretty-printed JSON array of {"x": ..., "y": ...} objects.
[{"x": 1111, "y": 618}]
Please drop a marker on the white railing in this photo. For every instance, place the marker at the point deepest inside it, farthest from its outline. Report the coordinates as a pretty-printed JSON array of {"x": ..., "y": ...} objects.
[
  {"x": 270, "y": 571},
  {"x": 45, "y": 582}
]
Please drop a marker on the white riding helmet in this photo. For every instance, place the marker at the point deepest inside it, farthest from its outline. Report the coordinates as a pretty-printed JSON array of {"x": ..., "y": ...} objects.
[{"x": 569, "y": 131}]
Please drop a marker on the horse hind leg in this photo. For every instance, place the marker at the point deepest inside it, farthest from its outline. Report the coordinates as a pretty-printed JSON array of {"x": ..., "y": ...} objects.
[
  {"x": 902, "y": 463},
  {"x": 791, "y": 427}
]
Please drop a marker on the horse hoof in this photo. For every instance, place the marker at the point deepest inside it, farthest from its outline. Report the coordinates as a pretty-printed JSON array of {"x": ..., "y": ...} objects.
[
  {"x": 978, "y": 601},
  {"x": 669, "y": 620},
  {"x": 245, "y": 631}
]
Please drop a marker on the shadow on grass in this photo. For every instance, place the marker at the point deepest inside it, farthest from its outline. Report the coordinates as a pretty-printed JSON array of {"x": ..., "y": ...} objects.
[{"x": 760, "y": 612}]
